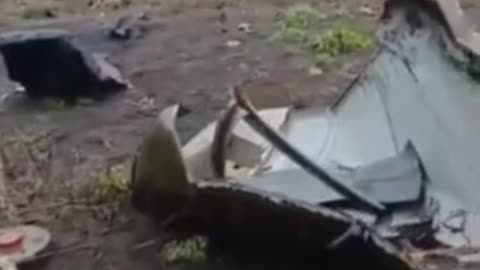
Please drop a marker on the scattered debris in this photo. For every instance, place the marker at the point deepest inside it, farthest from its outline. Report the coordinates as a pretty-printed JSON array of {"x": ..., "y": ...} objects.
[
  {"x": 166, "y": 193},
  {"x": 50, "y": 63},
  {"x": 233, "y": 43},
  {"x": 245, "y": 27},
  {"x": 129, "y": 26},
  {"x": 315, "y": 71},
  {"x": 21, "y": 244},
  {"x": 108, "y": 4},
  {"x": 366, "y": 11},
  {"x": 378, "y": 172}
]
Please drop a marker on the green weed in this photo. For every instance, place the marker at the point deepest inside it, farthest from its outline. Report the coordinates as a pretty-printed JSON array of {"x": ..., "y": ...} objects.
[
  {"x": 301, "y": 16},
  {"x": 188, "y": 251},
  {"x": 339, "y": 41},
  {"x": 112, "y": 184},
  {"x": 300, "y": 26}
]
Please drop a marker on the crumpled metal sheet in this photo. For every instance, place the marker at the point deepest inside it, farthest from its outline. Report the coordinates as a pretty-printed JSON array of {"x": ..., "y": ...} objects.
[
  {"x": 245, "y": 148},
  {"x": 397, "y": 179},
  {"x": 404, "y": 133},
  {"x": 421, "y": 87},
  {"x": 262, "y": 221}
]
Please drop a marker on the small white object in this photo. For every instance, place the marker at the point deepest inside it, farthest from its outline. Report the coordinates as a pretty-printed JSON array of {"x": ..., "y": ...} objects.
[
  {"x": 315, "y": 71},
  {"x": 18, "y": 88},
  {"x": 34, "y": 240},
  {"x": 233, "y": 43},
  {"x": 245, "y": 27},
  {"x": 366, "y": 11}
]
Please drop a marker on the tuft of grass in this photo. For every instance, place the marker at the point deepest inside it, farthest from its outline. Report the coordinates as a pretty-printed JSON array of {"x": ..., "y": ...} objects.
[
  {"x": 112, "y": 184},
  {"x": 38, "y": 12},
  {"x": 323, "y": 61},
  {"x": 299, "y": 27},
  {"x": 339, "y": 41},
  {"x": 291, "y": 35},
  {"x": 301, "y": 16},
  {"x": 336, "y": 42},
  {"x": 295, "y": 23},
  {"x": 188, "y": 251}
]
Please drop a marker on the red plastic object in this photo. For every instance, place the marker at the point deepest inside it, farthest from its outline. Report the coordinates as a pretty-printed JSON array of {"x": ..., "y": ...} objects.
[{"x": 11, "y": 242}]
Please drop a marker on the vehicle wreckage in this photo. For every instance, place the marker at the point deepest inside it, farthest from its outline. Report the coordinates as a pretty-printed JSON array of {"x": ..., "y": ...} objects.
[{"x": 385, "y": 178}]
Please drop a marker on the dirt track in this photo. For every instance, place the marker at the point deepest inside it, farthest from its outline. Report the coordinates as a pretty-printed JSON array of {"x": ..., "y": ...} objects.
[{"x": 55, "y": 155}]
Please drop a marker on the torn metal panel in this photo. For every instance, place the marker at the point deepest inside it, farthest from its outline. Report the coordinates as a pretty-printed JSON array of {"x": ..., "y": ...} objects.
[
  {"x": 421, "y": 87},
  {"x": 245, "y": 148},
  {"x": 404, "y": 135},
  {"x": 260, "y": 220},
  {"x": 344, "y": 137},
  {"x": 397, "y": 179}
]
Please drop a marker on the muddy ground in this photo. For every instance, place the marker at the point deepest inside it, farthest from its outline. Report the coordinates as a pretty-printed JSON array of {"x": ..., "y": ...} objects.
[{"x": 53, "y": 155}]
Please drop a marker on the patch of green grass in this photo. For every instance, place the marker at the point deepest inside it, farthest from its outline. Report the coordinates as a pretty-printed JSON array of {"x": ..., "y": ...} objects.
[
  {"x": 188, "y": 251},
  {"x": 295, "y": 23},
  {"x": 301, "y": 16},
  {"x": 339, "y": 41},
  {"x": 299, "y": 26},
  {"x": 291, "y": 35},
  {"x": 112, "y": 184},
  {"x": 323, "y": 61},
  {"x": 38, "y": 12}
]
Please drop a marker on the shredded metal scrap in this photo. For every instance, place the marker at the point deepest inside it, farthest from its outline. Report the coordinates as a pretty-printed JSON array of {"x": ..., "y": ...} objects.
[{"x": 401, "y": 139}]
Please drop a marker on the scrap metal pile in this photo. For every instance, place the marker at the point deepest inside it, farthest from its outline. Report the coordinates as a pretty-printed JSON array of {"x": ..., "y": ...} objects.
[{"x": 385, "y": 178}]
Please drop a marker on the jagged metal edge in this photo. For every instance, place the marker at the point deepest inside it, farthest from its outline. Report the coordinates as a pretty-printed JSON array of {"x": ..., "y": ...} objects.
[{"x": 458, "y": 35}]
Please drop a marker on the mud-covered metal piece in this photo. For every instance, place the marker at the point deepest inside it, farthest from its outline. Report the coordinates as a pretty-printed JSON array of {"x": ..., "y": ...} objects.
[
  {"x": 53, "y": 63},
  {"x": 159, "y": 169}
]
